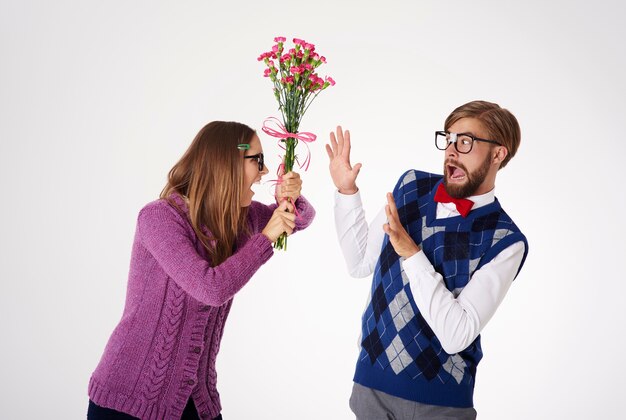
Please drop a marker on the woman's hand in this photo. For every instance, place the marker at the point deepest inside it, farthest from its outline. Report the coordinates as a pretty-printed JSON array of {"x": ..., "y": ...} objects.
[
  {"x": 290, "y": 187},
  {"x": 341, "y": 170},
  {"x": 282, "y": 220}
]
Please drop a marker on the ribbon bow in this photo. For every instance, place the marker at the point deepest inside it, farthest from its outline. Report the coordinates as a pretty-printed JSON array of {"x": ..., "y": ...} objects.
[
  {"x": 463, "y": 205},
  {"x": 280, "y": 131}
]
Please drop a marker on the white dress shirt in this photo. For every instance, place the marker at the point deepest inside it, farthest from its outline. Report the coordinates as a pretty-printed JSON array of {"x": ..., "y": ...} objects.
[{"x": 455, "y": 320}]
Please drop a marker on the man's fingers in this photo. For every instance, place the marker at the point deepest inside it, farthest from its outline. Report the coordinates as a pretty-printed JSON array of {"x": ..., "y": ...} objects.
[
  {"x": 333, "y": 143},
  {"x": 392, "y": 216},
  {"x": 340, "y": 140},
  {"x": 389, "y": 231},
  {"x": 390, "y": 219},
  {"x": 392, "y": 203},
  {"x": 345, "y": 152},
  {"x": 330, "y": 153}
]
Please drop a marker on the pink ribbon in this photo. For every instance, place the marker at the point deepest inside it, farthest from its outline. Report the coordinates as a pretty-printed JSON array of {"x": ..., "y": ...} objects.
[{"x": 280, "y": 132}]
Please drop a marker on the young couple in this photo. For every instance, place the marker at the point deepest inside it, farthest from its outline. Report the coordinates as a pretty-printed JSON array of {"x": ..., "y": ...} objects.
[{"x": 202, "y": 241}]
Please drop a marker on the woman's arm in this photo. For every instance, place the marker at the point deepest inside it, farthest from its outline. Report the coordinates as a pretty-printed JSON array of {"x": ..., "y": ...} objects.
[{"x": 167, "y": 236}]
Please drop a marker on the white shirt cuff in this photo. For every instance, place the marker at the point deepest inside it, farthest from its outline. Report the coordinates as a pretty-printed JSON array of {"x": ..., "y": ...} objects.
[
  {"x": 348, "y": 201},
  {"x": 417, "y": 263}
]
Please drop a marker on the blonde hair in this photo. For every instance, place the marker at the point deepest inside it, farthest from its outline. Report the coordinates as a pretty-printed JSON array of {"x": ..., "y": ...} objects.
[
  {"x": 501, "y": 125},
  {"x": 210, "y": 176}
]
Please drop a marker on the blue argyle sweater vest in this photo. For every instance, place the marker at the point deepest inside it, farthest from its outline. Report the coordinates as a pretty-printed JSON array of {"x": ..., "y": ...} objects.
[{"x": 400, "y": 355}]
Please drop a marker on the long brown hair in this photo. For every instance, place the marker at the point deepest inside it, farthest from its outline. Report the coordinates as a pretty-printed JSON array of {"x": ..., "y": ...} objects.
[{"x": 210, "y": 177}]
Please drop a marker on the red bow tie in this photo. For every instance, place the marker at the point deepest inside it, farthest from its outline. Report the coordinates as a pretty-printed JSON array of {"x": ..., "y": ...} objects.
[{"x": 463, "y": 205}]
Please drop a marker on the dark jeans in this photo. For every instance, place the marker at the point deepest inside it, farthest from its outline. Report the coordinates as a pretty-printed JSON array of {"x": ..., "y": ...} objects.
[{"x": 95, "y": 412}]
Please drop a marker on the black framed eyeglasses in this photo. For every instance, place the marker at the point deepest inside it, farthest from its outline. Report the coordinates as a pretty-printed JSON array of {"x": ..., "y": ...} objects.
[
  {"x": 463, "y": 142},
  {"x": 259, "y": 159}
]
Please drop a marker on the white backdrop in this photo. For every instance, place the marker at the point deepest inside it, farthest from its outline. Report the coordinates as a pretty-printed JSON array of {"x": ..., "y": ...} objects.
[{"x": 99, "y": 99}]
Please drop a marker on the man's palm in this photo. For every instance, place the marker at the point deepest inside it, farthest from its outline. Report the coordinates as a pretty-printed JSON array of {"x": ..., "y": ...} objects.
[{"x": 341, "y": 171}]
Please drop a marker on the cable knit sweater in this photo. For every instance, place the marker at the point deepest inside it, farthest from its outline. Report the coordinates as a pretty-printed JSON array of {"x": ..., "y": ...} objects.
[{"x": 163, "y": 350}]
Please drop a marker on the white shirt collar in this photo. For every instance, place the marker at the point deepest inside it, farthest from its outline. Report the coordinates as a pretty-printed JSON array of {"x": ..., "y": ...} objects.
[
  {"x": 445, "y": 210},
  {"x": 483, "y": 199}
]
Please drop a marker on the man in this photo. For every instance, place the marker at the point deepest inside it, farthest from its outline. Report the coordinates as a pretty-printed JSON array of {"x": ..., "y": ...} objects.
[{"x": 443, "y": 254}]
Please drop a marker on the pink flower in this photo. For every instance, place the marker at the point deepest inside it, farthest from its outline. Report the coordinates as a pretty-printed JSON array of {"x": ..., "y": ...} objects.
[
  {"x": 309, "y": 47},
  {"x": 267, "y": 72},
  {"x": 298, "y": 41},
  {"x": 323, "y": 59},
  {"x": 275, "y": 48},
  {"x": 295, "y": 70},
  {"x": 311, "y": 84},
  {"x": 262, "y": 56},
  {"x": 330, "y": 80},
  {"x": 280, "y": 39},
  {"x": 292, "y": 51},
  {"x": 289, "y": 80},
  {"x": 285, "y": 57},
  {"x": 307, "y": 66}
]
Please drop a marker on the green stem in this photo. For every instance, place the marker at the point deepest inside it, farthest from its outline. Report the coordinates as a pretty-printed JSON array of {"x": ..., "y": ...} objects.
[{"x": 290, "y": 157}]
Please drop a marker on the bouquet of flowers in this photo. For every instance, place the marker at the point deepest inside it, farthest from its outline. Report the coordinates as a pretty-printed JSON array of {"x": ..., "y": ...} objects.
[{"x": 296, "y": 85}]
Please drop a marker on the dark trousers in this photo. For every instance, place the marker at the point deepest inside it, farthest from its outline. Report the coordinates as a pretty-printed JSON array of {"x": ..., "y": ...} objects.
[{"x": 95, "y": 412}]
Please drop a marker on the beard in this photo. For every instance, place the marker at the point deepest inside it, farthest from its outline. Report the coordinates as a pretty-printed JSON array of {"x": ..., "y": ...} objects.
[{"x": 473, "y": 182}]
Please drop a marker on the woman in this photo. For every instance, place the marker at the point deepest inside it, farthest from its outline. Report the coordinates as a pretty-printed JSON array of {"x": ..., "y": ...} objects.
[{"x": 193, "y": 250}]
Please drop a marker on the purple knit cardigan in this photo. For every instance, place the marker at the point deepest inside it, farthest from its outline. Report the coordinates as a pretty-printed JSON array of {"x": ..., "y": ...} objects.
[{"x": 163, "y": 350}]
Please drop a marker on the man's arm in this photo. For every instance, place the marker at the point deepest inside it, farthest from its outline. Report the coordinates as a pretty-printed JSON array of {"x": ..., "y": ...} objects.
[
  {"x": 359, "y": 242},
  {"x": 457, "y": 321},
  {"x": 352, "y": 229}
]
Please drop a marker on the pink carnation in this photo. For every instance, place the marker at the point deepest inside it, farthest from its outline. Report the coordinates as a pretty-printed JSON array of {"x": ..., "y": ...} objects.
[
  {"x": 275, "y": 48},
  {"x": 298, "y": 41},
  {"x": 309, "y": 47},
  {"x": 280, "y": 39},
  {"x": 330, "y": 80},
  {"x": 289, "y": 80},
  {"x": 307, "y": 66},
  {"x": 267, "y": 72},
  {"x": 295, "y": 70},
  {"x": 323, "y": 59}
]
